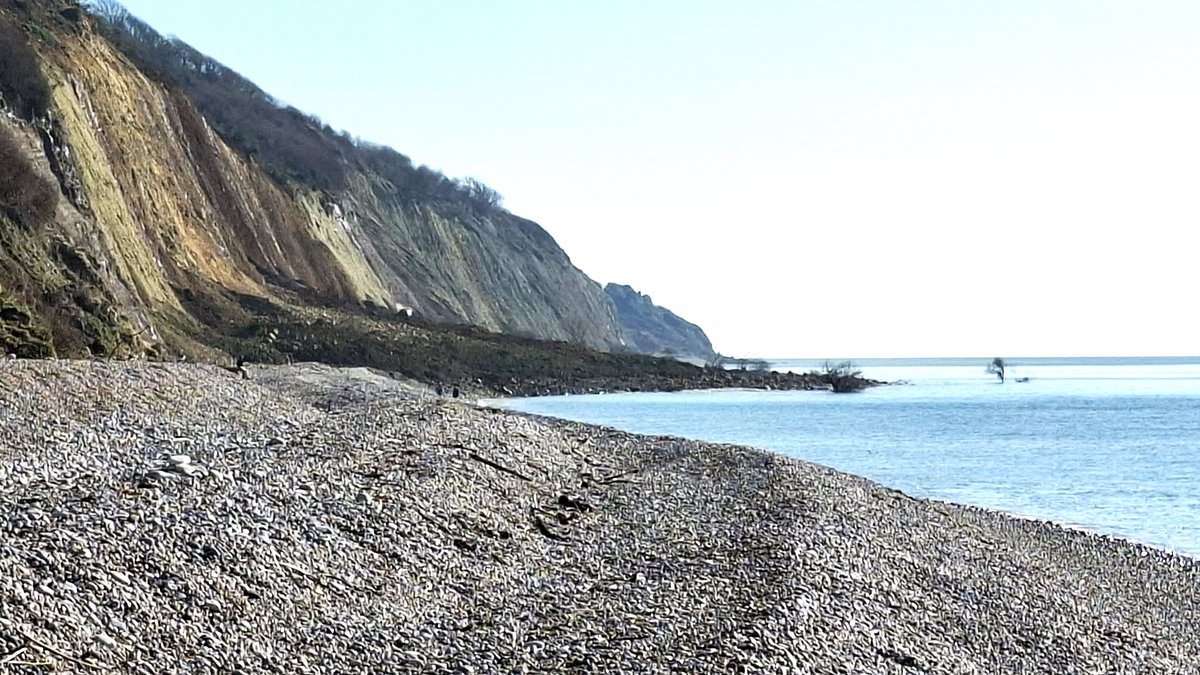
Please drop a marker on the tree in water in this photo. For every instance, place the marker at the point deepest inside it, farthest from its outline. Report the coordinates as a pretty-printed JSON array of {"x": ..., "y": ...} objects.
[
  {"x": 996, "y": 367},
  {"x": 843, "y": 378}
]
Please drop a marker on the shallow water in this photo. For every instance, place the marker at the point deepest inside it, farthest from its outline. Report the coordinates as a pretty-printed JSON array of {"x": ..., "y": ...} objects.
[{"x": 1110, "y": 446}]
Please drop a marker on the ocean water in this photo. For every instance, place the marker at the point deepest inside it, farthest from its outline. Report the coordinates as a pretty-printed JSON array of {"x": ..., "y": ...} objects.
[{"x": 1111, "y": 445}]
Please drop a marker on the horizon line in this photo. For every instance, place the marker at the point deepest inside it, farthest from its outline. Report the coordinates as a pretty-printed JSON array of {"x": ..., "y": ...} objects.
[{"x": 1180, "y": 357}]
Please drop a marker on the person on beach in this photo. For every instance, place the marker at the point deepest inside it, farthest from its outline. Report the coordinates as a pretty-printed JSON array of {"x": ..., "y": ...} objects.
[{"x": 239, "y": 368}]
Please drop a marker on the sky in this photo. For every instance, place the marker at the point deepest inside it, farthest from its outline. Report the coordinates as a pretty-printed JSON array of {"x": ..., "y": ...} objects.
[{"x": 809, "y": 178}]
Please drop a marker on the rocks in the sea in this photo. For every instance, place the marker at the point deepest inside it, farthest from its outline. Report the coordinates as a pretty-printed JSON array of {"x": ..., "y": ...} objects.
[{"x": 159, "y": 518}]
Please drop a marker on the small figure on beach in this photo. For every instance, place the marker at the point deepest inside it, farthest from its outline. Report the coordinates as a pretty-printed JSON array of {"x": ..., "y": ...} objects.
[
  {"x": 454, "y": 392},
  {"x": 240, "y": 368},
  {"x": 440, "y": 390}
]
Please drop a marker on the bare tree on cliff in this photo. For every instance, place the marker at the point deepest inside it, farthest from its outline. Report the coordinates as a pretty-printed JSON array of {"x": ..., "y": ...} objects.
[
  {"x": 110, "y": 10},
  {"x": 996, "y": 367},
  {"x": 291, "y": 146},
  {"x": 481, "y": 195}
]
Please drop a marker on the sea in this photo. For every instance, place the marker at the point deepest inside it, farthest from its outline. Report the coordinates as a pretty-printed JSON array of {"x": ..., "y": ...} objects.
[{"x": 1107, "y": 444}]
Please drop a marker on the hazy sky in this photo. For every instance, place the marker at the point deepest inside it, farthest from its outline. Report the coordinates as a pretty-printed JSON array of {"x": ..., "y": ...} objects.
[{"x": 804, "y": 178}]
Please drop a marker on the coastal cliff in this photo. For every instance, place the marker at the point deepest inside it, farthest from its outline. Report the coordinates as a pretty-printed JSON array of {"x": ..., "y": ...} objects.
[
  {"x": 169, "y": 207},
  {"x": 651, "y": 329}
]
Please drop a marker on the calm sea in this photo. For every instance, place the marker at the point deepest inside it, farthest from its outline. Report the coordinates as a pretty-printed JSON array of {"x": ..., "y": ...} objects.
[{"x": 1111, "y": 445}]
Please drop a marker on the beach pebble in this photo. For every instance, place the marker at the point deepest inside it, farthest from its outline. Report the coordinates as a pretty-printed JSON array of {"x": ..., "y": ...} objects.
[{"x": 322, "y": 520}]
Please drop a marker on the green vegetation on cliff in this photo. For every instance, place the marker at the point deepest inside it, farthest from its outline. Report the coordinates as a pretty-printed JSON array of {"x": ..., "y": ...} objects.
[{"x": 21, "y": 334}]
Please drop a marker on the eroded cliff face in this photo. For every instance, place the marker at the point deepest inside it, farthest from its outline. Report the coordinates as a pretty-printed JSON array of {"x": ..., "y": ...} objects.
[
  {"x": 58, "y": 292},
  {"x": 651, "y": 329},
  {"x": 173, "y": 204},
  {"x": 156, "y": 210},
  {"x": 498, "y": 271}
]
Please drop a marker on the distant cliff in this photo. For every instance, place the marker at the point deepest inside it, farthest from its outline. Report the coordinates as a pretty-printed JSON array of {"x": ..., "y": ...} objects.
[
  {"x": 651, "y": 329},
  {"x": 150, "y": 192}
]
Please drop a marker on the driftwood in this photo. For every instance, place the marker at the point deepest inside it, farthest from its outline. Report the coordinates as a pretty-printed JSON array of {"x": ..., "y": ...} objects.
[
  {"x": 320, "y": 578},
  {"x": 499, "y": 467},
  {"x": 619, "y": 477},
  {"x": 11, "y": 656},
  {"x": 61, "y": 654},
  {"x": 435, "y": 522}
]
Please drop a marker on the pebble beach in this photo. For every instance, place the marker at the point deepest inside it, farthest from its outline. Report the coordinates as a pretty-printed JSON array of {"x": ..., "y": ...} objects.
[{"x": 172, "y": 518}]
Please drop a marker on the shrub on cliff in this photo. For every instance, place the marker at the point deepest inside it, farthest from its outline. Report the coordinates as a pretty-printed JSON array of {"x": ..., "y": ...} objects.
[
  {"x": 21, "y": 81},
  {"x": 25, "y": 196}
]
